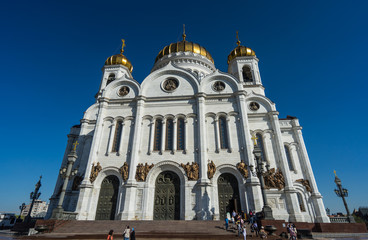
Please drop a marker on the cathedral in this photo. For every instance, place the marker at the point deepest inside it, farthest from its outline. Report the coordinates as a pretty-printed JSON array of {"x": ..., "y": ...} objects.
[{"x": 179, "y": 145}]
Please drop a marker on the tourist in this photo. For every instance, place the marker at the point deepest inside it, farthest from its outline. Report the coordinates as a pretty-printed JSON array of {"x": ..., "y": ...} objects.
[
  {"x": 245, "y": 233},
  {"x": 255, "y": 228},
  {"x": 262, "y": 233},
  {"x": 226, "y": 223},
  {"x": 110, "y": 236},
  {"x": 126, "y": 233},
  {"x": 238, "y": 223},
  {"x": 132, "y": 234},
  {"x": 293, "y": 232}
]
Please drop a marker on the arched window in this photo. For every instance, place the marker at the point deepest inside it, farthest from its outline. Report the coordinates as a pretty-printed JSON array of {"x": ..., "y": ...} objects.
[
  {"x": 223, "y": 133},
  {"x": 110, "y": 78},
  {"x": 181, "y": 134},
  {"x": 260, "y": 145},
  {"x": 169, "y": 134},
  {"x": 288, "y": 157},
  {"x": 301, "y": 202},
  {"x": 247, "y": 74},
  {"x": 117, "y": 137},
  {"x": 158, "y": 134}
]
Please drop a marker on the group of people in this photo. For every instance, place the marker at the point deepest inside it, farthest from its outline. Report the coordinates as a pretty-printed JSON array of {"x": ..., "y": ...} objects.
[
  {"x": 128, "y": 234},
  {"x": 291, "y": 229}
]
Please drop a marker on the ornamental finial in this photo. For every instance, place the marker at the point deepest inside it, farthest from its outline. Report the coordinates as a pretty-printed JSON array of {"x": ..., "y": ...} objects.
[
  {"x": 237, "y": 37},
  {"x": 184, "y": 36},
  {"x": 122, "y": 46},
  {"x": 254, "y": 138},
  {"x": 75, "y": 144},
  {"x": 335, "y": 173}
]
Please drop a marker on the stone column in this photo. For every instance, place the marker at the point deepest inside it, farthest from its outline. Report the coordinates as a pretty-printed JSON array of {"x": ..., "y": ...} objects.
[
  {"x": 111, "y": 138},
  {"x": 152, "y": 133},
  {"x": 131, "y": 185},
  {"x": 163, "y": 136},
  {"x": 175, "y": 128},
  {"x": 217, "y": 132},
  {"x": 185, "y": 135},
  {"x": 290, "y": 193},
  {"x": 252, "y": 185},
  {"x": 319, "y": 207},
  {"x": 121, "y": 138},
  {"x": 228, "y": 134}
]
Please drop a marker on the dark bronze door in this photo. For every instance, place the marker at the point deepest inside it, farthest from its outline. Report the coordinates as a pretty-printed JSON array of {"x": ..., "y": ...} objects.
[
  {"x": 106, "y": 206},
  {"x": 228, "y": 194},
  {"x": 167, "y": 197}
]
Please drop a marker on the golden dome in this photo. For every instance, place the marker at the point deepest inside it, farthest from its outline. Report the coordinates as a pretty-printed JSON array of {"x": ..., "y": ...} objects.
[
  {"x": 240, "y": 51},
  {"x": 120, "y": 59},
  {"x": 184, "y": 46}
]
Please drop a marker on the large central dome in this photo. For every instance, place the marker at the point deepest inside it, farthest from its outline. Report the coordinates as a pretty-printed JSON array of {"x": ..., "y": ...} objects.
[{"x": 184, "y": 46}]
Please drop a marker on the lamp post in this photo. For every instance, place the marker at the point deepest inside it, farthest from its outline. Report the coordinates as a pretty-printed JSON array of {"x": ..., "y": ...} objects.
[
  {"x": 21, "y": 208},
  {"x": 342, "y": 192},
  {"x": 66, "y": 173},
  {"x": 267, "y": 210},
  {"x": 33, "y": 196}
]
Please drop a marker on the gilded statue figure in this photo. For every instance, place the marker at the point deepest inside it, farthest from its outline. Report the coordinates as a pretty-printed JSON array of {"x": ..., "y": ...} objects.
[
  {"x": 274, "y": 179},
  {"x": 142, "y": 171},
  {"x": 94, "y": 172},
  {"x": 124, "y": 171},
  {"x": 243, "y": 169},
  {"x": 192, "y": 170},
  {"x": 211, "y": 170},
  {"x": 306, "y": 184}
]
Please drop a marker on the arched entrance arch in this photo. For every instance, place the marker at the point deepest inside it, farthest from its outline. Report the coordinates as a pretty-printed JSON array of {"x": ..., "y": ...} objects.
[
  {"x": 228, "y": 194},
  {"x": 167, "y": 197},
  {"x": 107, "y": 199}
]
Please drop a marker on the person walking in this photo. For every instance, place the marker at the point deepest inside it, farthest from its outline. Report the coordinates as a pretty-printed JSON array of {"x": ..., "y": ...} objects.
[
  {"x": 245, "y": 232},
  {"x": 126, "y": 233},
  {"x": 132, "y": 234},
  {"x": 226, "y": 223},
  {"x": 262, "y": 233},
  {"x": 110, "y": 236}
]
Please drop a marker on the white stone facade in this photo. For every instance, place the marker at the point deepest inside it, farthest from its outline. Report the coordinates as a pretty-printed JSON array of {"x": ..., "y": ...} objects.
[{"x": 200, "y": 105}]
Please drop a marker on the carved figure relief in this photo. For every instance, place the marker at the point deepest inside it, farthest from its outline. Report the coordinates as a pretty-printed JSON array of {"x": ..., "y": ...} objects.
[
  {"x": 306, "y": 184},
  {"x": 142, "y": 171},
  {"x": 94, "y": 172},
  {"x": 76, "y": 182},
  {"x": 254, "y": 106},
  {"x": 170, "y": 84},
  {"x": 124, "y": 171},
  {"x": 211, "y": 169},
  {"x": 123, "y": 91},
  {"x": 243, "y": 169},
  {"x": 274, "y": 179},
  {"x": 192, "y": 170},
  {"x": 218, "y": 86}
]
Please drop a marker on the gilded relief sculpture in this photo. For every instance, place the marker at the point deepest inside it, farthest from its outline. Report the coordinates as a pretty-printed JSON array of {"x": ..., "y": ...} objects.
[
  {"x": 142, "y": 171},
  {"x": 124, "y": 171},
  {"x": 243, "y": 169},
  {"x": 211, "y": 169},
  {"x": 306, "y": 184},
  {"x": 192, "y": 170},
  {"x": 94, "y": 172},
  {"x": 274, "y": 179}
]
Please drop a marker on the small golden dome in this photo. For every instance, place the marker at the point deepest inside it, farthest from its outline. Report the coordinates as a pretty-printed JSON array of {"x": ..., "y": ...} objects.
[
  {"x": 120, "y": 59},
  {"x": 240, "y": 51}
]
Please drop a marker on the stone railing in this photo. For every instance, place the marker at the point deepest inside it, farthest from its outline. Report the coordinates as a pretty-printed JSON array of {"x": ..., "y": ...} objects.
[
  {"x": 339, "y": 220},
  {"x": 68, "y": 216}
]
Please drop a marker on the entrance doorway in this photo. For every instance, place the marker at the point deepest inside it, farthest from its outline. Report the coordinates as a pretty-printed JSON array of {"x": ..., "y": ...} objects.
[
  {"x": 106, "y": 206},
  {"x": 167, "y": 197},
  {"x": 228, "y": 194}
]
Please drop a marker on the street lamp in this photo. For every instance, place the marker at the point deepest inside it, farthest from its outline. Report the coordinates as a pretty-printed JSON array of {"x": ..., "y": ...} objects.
[
  {"x": 21, "y": 208},
  {"x": 267, "y": 210},
  {"x": 33, "y": 196},
  {"x": 342, "y": 192}
]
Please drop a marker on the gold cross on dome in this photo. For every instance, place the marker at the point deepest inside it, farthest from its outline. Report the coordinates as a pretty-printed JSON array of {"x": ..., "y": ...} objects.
[
  {"x": 122, "y": 46},
  {"x": 254, "y": 138},
  {"x": 335, "y": 173},
  {"x": 184, "y": 36},
  {"x": 75, "y": 145},
  {"x": 237, "y": 37}
]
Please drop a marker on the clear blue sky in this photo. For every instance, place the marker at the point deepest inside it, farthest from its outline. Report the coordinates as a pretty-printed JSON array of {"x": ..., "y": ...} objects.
[{"x": 313, "y": 63}]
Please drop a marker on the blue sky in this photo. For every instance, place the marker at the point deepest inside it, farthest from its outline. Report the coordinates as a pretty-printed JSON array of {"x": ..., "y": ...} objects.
[{"x": 312, "y": 61}]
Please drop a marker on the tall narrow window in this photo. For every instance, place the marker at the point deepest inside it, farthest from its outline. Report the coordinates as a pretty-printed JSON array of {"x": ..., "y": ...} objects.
[
  {"x": 288, "y": 157},
  {"x": 117, "y": 137},
  {"x": 223, "y": 133},
  {"x": 181, "y": 134},
  {"x": 110, "y": 78},
  {"x": 260, "y": 145},
  {"x": 158, "y": 134},
  {"x": 301, "y": 202},
  {"x": 247, "y": 74},
  {"x": 169, "y": 134}
]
